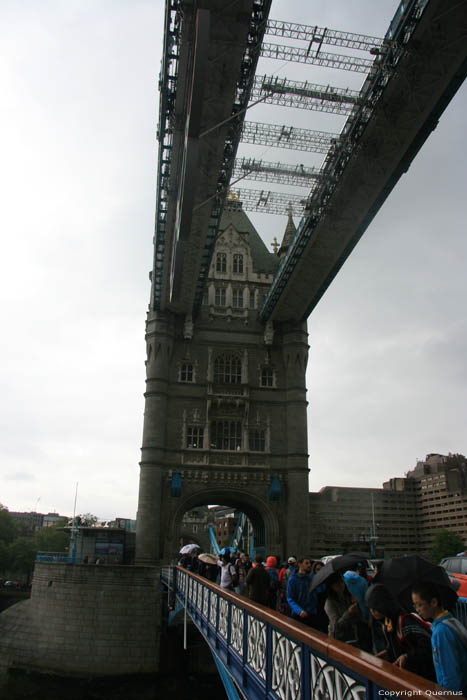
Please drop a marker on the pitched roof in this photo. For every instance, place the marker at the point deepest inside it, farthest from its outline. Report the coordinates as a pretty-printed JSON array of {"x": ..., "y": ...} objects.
[{"x": 263, "y": 260}]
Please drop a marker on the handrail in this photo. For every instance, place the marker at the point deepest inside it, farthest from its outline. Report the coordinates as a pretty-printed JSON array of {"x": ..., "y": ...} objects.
[{"x": 227, "y": 625}]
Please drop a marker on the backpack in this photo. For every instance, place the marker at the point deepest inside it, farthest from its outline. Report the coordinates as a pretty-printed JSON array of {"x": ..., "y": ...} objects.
[
  {"x": 234, "y": 574},
  {"x": 401, "y": 638},
  {"x": 285, "y": 579},
  {"x": 458, "y": 628}
]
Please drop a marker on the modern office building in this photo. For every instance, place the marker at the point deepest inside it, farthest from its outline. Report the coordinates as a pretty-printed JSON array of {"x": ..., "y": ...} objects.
[{"x": 400, "y": 518}]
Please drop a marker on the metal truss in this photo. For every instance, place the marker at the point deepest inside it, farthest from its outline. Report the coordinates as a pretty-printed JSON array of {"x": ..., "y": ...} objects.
[
  {"x": 259, "y": 16},
  {"x": 397, "y": 36},
  {"x": 268, "y": 202},
  {"x": 167, "y": 88},
  {"x": 282, "y": 173},
  {"x": 320, "y": 36},
  {"x": 304, "y": 95},
  {"x": 317, "y": 57},
  {"x": 283, "y": 136}
]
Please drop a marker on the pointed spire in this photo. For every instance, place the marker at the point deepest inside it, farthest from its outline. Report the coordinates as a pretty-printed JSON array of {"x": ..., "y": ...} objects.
[{"x": 288, "y": 234}]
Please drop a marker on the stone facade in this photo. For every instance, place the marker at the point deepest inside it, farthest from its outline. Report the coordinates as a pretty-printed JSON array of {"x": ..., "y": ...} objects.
[
  {"x": 225, "y": 414},
  {"x": 401, "y": 518},
  {"x": 85, "y": 620}
]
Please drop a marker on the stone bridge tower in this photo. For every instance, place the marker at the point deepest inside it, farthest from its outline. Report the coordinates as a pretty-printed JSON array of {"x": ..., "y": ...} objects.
[{"x": 225, "y": 414}]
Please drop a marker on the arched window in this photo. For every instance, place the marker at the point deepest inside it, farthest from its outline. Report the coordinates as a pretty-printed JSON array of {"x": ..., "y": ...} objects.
[
  {"x": 221, "y": 262},
  {"x": 227, "y": 370},
  {"x": 237, "y": 263},
  {"x": 226, "y": 435}
]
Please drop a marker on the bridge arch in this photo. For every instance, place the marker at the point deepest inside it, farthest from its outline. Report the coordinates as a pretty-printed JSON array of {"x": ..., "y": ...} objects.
[{"x": 268, "y": 528}]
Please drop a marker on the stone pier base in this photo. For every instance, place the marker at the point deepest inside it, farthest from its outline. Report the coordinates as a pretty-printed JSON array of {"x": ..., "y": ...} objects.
[{"x": 85, "y": 620}]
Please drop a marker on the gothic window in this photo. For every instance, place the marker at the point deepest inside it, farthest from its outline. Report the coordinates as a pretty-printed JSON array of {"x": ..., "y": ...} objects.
[
  {"x": 186, "y": 372},
  {"x": 226, "y": 435},
  {"x": 227, "y": 370},
  {"x": 252, "y": 298},
  {"x": 267, "y": 377},
  {"x": 237, "y": 298},
  {"x": 237, "y": 263},
  {"x": 194, "y": 437},
  {"x": 220, "y": 296},
  {"x": 256, "y": 441},
  {"x": 221, "y": 262}
]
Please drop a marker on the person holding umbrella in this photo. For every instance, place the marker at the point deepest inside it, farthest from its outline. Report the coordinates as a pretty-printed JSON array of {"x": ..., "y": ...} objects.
[
  {"x": 407, "y": 639},
  {"x": 448, "y": 638},
  {"x": 345, "y": 618}
]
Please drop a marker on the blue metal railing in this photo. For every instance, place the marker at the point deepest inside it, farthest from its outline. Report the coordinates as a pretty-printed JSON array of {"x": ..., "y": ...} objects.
[
  {"x": 270, "y": 657},
  {"x": 56, "y": 557}
]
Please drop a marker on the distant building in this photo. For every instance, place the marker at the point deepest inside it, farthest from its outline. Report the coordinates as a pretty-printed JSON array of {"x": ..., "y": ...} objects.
[
  {"x": 102, "y": 545},
  {"x": 31, "y": 522},
  {"x": 195, "y": 524},
  {"x": 401, "y": 518},
  {"x": 123, "y": 524}
]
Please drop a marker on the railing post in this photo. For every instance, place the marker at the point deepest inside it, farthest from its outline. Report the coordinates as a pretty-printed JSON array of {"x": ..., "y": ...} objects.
[
  {"x": 305, "y": 680},
  {"x": 268, "y": 658}
]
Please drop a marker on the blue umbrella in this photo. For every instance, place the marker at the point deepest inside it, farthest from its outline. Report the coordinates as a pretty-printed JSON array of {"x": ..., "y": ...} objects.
[{"x": 227, "y": 550}]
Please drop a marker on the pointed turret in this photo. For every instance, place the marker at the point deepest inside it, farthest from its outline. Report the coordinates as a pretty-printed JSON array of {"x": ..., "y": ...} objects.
[{"x": 288, "y": 234}]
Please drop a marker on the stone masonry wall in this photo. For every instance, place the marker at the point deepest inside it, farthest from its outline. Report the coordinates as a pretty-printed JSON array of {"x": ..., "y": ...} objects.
[{"x": 85, "y": 620}]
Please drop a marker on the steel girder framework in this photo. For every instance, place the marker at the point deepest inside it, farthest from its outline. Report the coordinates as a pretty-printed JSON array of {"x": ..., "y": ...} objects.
[
  {"x": 304, "y": 95},
  {"x": 320, "y": 36},
  {"x": 282, "y": 173},
  {"x": 290, "y": 137},
  {"x": 192, "y": 135},
  {"x": 397, "y": 112},
  {"x": 318, "y": 58},
  {"x": 268, "y": 202}
]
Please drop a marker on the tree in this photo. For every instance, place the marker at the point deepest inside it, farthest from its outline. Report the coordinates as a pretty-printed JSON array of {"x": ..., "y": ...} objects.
[
  {"x": 22, "y": 555},
  {"x": 8, "y": 527},
  {"x": 53, "y": 539},
  {"x": 88, "y": 520},
  {"x": 446, "y": 544}
]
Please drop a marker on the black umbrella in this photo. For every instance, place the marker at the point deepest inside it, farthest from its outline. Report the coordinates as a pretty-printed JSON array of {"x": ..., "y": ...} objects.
[
  {"x": 400, "y": 574},
  {"x": 342, "y": 563}
]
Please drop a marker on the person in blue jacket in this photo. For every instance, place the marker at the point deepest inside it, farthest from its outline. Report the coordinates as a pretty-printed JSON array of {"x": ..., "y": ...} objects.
[
  {"x": 358, "y": 587},
  {"x": 301, "y": 599},
  {"x": 448, "y": 638}
]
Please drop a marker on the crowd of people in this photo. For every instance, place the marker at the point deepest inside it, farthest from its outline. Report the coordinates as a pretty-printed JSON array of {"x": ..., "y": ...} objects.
[{"x": 347, "y": 606}]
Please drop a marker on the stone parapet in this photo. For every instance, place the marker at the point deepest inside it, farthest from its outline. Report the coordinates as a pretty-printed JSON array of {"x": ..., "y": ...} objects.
[{"x": 85, "y": 620}]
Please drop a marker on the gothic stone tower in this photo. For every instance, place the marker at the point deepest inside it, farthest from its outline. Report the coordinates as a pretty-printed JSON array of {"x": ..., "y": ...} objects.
[{"x": 225, "y": 414}]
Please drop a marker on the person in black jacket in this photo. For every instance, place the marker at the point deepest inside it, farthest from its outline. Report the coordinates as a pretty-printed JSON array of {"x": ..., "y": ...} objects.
[
  {"x": 257, "y": 581},
  {"x": 407, "y": 637}
]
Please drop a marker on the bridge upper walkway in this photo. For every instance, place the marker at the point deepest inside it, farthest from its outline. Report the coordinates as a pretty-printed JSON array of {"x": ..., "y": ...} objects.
[{"x": 263, "y": 654}]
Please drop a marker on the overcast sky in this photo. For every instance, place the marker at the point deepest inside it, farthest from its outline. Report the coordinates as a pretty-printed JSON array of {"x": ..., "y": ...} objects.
[{"x": 387, "y": 376}]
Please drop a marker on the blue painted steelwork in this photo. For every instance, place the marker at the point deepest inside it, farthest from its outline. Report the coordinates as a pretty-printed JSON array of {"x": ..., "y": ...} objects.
[
  {"x": 245, "y": 83},
  {"x": 401, "y": 29},
  {"x": 229, "y": 685},
  {"x": 212, "y": 537},
  {"x": 174, "y": 613},
  {"x": 270, "y": 657},
  {"x": 56, "y": 558},
  {"x": 167, "y": 87},
  {"x": 241, "y": 526}
]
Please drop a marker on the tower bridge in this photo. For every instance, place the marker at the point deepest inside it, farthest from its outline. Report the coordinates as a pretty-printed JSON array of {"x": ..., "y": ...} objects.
[
  {"x": 227, "y": 347},
  {"x": 226, "y": 312}
]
